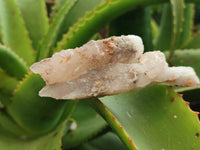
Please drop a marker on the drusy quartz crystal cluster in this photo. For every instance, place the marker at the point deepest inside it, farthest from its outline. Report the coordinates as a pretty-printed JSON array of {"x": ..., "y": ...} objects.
[{"x": 107, "y": 67}]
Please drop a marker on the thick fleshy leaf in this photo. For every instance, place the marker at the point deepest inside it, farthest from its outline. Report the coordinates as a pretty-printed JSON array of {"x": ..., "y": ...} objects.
[
  {"x": 35, "y": 17},
  {"x": 7, "y": 84},
  {"x": 14, "y": 31},
  {"x": 0, "y": 33},
  {"x": 37, "y": 115},
  {"x": 9, "y": 128},
  {"x": 154, "y": 28},
  {"x": 76, "y": 12},
  {"x": 195, "y": 38},
  {"x": 49, "y": 41},
  {"x": 4, "y": 100},
  {"x": 108, "y": 141},
  {"x": 94, "y": 20},
  {"x": 162, "y": 41},
  {"x": 173, "y": 23},
  {"x": 187, "y": 25},
  {"x": 65, "y": 14},
  {"x": 88, "y": 123},
  {"x": 51, "y": 141},
  {"x": 194, "y": 42},
  {"x": 57, "y": 4},
  {"x": 11, "y": 63},
  {"x": 177, "y": 25},
  {"x": 153, "y": 118}
]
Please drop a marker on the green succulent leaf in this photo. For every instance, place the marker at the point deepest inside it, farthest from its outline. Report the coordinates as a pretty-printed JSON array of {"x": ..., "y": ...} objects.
[
  {"x": 94, "y": 20},
  {"x": 12, "y": 63},
  {"x": 51, "y": 141},
  {"x": 185, "y": 35},
  {"x": 88, "y": 122},
  {"x": 109, "y": 140},
  {"x": 152, "y": 118},
  {"x": 4, "y": 99},
  {"x": 35, "y": 17},
  {"x": 36, "y": 115},
  {"x": 177, "y": 25},
  {"x": 49, "y": 41},
  {"x": 154, "y": 28},
  {"x": 173, "y": 22},
  {"x": 7, "y": 84},
  {"x": 14, "y": 31},
  {"x": 0, "y": 33},
  {"x": 194, "y": 42},
  {"x": 162, "y": 41},
  {"x": 9, "y": 128},
  {"x": 76, "y": 12},
  {"x": 57, "y": 4}
]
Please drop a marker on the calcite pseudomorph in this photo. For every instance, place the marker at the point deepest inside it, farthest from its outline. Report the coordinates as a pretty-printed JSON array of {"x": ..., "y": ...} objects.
[{"x": 107, "y": 67}]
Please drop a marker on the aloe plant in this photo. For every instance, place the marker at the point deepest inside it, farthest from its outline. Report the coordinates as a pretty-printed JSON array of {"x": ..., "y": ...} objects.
[{"x": 155, "y": 118}]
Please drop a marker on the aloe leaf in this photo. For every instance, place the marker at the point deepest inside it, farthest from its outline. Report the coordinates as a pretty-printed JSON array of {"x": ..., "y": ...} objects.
[
  {"x": 11, "y": 63},
  {"x": 154, "y": 28},
  {"x": 178, "y": 18},
  {"x": 55, "y": 8},
  {"x": 51, "y": 141},
  {"x": 36, "y": 115},
  {"x": 136, "y": 22},
  {"x": 77, "y": 11},
  {"x": 0, "y": 33},
  {"x": 89, "y": 124},
  {"x": 35, "y": 16},
  {"x": 4, "y": 99},
  {"x": 187, "y": 25},
  {"x": 9, "y": 127},
  {"x": 49, "y": 41},
  {"x": 94, "y": 20},
  {"x": 4, "y": 132},
  {"x": 167, "y": 32},
  {"x": 162, "y": 41},
  {"x": 171, "y": 35},
  {"x": 14, "y": 31},
  {"x": 194, "y": 42},
  {"x": 7, "y": 84},
  {"x": 152, "y": 118},
  {"x": 109, "y": 140}
]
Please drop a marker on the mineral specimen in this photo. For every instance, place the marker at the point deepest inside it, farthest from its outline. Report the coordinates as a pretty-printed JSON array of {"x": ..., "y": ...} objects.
[{"x": 107, "y": 67}]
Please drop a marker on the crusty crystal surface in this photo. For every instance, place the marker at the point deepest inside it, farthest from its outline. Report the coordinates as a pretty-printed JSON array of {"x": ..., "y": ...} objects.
[{"x": 107, "y": 67}]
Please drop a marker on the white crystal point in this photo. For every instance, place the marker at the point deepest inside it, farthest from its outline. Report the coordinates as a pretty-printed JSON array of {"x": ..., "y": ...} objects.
[{"x": 107, "y": 67}]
